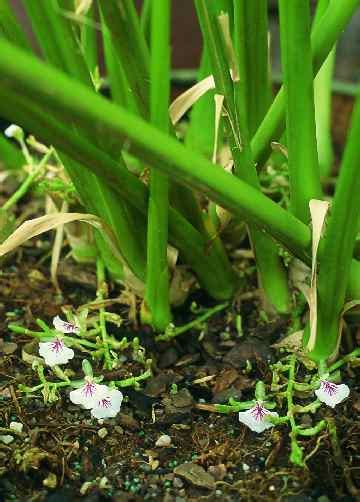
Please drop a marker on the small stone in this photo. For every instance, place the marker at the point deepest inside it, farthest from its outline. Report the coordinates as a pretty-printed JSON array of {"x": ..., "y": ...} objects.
[
  {"x": 178, "y": 483},
  {"x": 164, "y": 441},
  {"x": 16, "y": 426},
  {"x": 102, "y": 433},
  {"x": 245, "y": 467},
  {"x": 118, "y": 429},
  {"x": 196, "y": 475},
  {"x": 6, "y": 439}
]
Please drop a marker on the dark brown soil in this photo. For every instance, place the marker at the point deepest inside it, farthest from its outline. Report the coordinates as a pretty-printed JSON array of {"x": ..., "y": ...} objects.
[{"x": 60, "y": 448}]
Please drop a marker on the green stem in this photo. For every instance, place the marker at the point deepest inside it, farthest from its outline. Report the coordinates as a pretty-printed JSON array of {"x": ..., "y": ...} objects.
[
  {"x": 300, "y": 111},
  {"x": 323, "y": 38},
  {"x": 174, "y": 332},
  {"x": 335, "y": 262},
  {"x": 157, "y": 274},
  {"x": 21, "y": 72},
  {"x": 26, "y": 184},
  {"x": 100, "y": 295}
]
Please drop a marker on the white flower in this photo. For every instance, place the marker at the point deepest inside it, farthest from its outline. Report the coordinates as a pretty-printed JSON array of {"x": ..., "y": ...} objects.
[
  {"x": 257, "y": 418},
  {"x": 64, "y": 326},
  {"x": 89, "y": 394},
  {"x": 108, "y": 404},
  {"x": 13, "y": 131},
  {"x": 55, "y": 352},
  {"x": 332, "y": 394}
]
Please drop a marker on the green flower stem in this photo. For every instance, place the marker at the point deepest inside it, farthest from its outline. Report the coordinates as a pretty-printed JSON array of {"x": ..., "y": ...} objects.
[
  {"x": 300, "y": 111},
  {"x": 29, "y": 180},
  {"x": 100, "y": 295},
  {"x": 173, "y": 332},
  {"x": 134, "y": 381},
  {"x": 157, "y": 273},
  {"x": 335, "y": 261},
  {"x": 323, "y": 38},
  {"x": 312, "y": 431},
  {"x": 236, "y": 407},
  {"x": 346, "y": 359}
]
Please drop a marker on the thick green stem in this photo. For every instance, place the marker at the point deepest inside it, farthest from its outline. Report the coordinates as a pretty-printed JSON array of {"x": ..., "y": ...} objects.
[
  {"x": 323, "y": 38},
  {"x": 300, "y": 111},
  {"x": 20, "y": 73},
  {"x": 157, "y": 274},
  {"x": 210, "y": 264},
  {"x": 323, "y": 95},
  {"x": 338, "y": 247},
  {"x": 272, "y": 277}
]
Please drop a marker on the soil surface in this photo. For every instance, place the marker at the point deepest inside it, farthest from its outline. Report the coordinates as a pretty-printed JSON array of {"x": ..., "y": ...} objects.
[{"x": 63, "y": 455}]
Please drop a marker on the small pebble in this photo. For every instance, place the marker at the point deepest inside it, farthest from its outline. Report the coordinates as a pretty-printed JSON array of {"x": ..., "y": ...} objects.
[
  {"x": 245, "y": 467},
  {"x": 102, "y": 433},
  {"x": 164, "y": 441},
  {"x": 16, "y": 426}
]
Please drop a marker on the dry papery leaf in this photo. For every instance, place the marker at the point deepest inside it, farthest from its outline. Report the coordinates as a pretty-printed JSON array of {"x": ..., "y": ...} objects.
[
  {"x": 187, "y": 99},
  {"x": 37, "y": 226},
  {"x": 318, "y": 211}
]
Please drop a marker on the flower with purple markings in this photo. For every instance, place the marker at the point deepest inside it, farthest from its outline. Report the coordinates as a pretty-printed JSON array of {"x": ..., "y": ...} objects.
[
  {"x": 257, "y": 418},
  {"x": 89, "y": 394},
  {"x": 65, "y": 326},
  {"x": 332, "y": 394},
  {"x": 108, "y": 403},
  {"x": 55, "y": 352}
]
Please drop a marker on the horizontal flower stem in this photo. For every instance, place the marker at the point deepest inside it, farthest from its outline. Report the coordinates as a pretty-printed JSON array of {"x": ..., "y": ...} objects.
[
  {"x": 132, "y": 381},
  {"x": 174, "y": 332},
  {"x": 323, "y": 38},
  {"x": 40, "y": 336}
]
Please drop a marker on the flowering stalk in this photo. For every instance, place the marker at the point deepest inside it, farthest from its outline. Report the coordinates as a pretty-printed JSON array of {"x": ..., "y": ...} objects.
[{"x": 100, "y": 295}]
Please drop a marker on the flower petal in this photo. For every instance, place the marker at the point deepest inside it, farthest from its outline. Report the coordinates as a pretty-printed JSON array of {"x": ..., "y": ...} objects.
[
  {"x": 87, "y": 395},
  {"x": 55, "y": 352},
  {"x": 332, "y": 394},
  {"x": 257, "y": 418},
  {"x": 108, "y": 405},
  {"x": 64, "y": 326}
]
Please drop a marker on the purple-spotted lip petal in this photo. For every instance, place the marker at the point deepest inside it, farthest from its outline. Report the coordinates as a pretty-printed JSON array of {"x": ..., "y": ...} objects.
[
  {"x": 257, "y": 418},
  {"x": 332, "y": 394},
  {"x": 55, "y": 352},
  {"x": 65, "y": 326}
]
